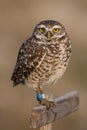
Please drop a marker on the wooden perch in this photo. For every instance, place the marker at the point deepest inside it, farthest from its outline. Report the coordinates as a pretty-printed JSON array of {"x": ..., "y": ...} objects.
[{"x": 67, "y": 104}]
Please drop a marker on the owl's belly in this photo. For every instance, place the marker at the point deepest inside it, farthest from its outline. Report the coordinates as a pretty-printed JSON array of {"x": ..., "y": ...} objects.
[{"x": 48, "y": 72}]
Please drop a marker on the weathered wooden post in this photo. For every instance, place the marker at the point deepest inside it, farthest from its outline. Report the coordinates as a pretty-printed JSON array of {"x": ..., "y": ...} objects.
[{"x": 41, "y": 117}]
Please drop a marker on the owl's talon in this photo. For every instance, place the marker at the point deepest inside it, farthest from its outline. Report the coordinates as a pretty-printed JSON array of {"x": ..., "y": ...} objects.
[{"x": 48, "y": 103}]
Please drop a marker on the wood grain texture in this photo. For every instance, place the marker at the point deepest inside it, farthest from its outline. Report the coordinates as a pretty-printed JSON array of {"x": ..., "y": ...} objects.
[{"x": 67, "y": 104}]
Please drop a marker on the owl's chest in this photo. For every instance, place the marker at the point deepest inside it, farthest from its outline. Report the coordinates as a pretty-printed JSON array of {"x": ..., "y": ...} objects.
[
  {"x": 56, "y": 55},
  {"x": 52, "y": 67}
]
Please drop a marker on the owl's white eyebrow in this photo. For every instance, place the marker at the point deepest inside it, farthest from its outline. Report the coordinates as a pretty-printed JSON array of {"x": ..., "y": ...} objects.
[
  {"x": 56, "y": 26},
  {"x": 41, "y": 26}
]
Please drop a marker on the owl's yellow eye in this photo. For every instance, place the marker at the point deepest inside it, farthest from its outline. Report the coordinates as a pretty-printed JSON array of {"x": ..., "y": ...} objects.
[
  {"x": 42, "y": 30},
  {"x": 55, "y": 30}
]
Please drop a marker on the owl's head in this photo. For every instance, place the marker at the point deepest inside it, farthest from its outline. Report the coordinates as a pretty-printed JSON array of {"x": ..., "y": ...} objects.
[{"x": 48, "y": 30}]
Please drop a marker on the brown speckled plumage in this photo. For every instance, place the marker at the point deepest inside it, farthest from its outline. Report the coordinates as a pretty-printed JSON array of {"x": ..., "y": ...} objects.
[{"x": 43, "y": 58}]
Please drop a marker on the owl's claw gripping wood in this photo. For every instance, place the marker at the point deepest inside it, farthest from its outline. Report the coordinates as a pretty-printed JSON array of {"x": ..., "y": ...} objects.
[
  {"x": 45, "y": 102},
  {"x": 48, "y": 103}
]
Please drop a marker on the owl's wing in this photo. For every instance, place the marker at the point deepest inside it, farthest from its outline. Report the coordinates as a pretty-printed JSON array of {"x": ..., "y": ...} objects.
[{"x": 29, "y": 58}]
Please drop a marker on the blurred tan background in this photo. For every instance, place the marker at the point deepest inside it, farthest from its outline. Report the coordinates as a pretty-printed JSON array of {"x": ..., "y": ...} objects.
[{"x": 17, "y": 21}]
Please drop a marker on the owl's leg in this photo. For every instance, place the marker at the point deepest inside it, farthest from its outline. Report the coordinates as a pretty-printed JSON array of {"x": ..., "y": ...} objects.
[
  {"x": 38, "y": 90},
  {"x": 43, "y": 100},
  {"x": 40, "y": 94}
]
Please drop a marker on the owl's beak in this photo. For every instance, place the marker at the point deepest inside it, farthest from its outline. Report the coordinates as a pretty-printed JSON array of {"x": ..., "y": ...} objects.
[{"x": 49, "y": 35}]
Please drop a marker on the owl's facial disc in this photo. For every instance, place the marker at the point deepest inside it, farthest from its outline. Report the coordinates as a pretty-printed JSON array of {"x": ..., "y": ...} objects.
[{"x": 47, "y": 32}]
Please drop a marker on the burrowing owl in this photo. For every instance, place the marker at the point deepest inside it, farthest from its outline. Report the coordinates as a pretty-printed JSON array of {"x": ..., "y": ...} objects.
[{"x": 43, "y": 58}]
